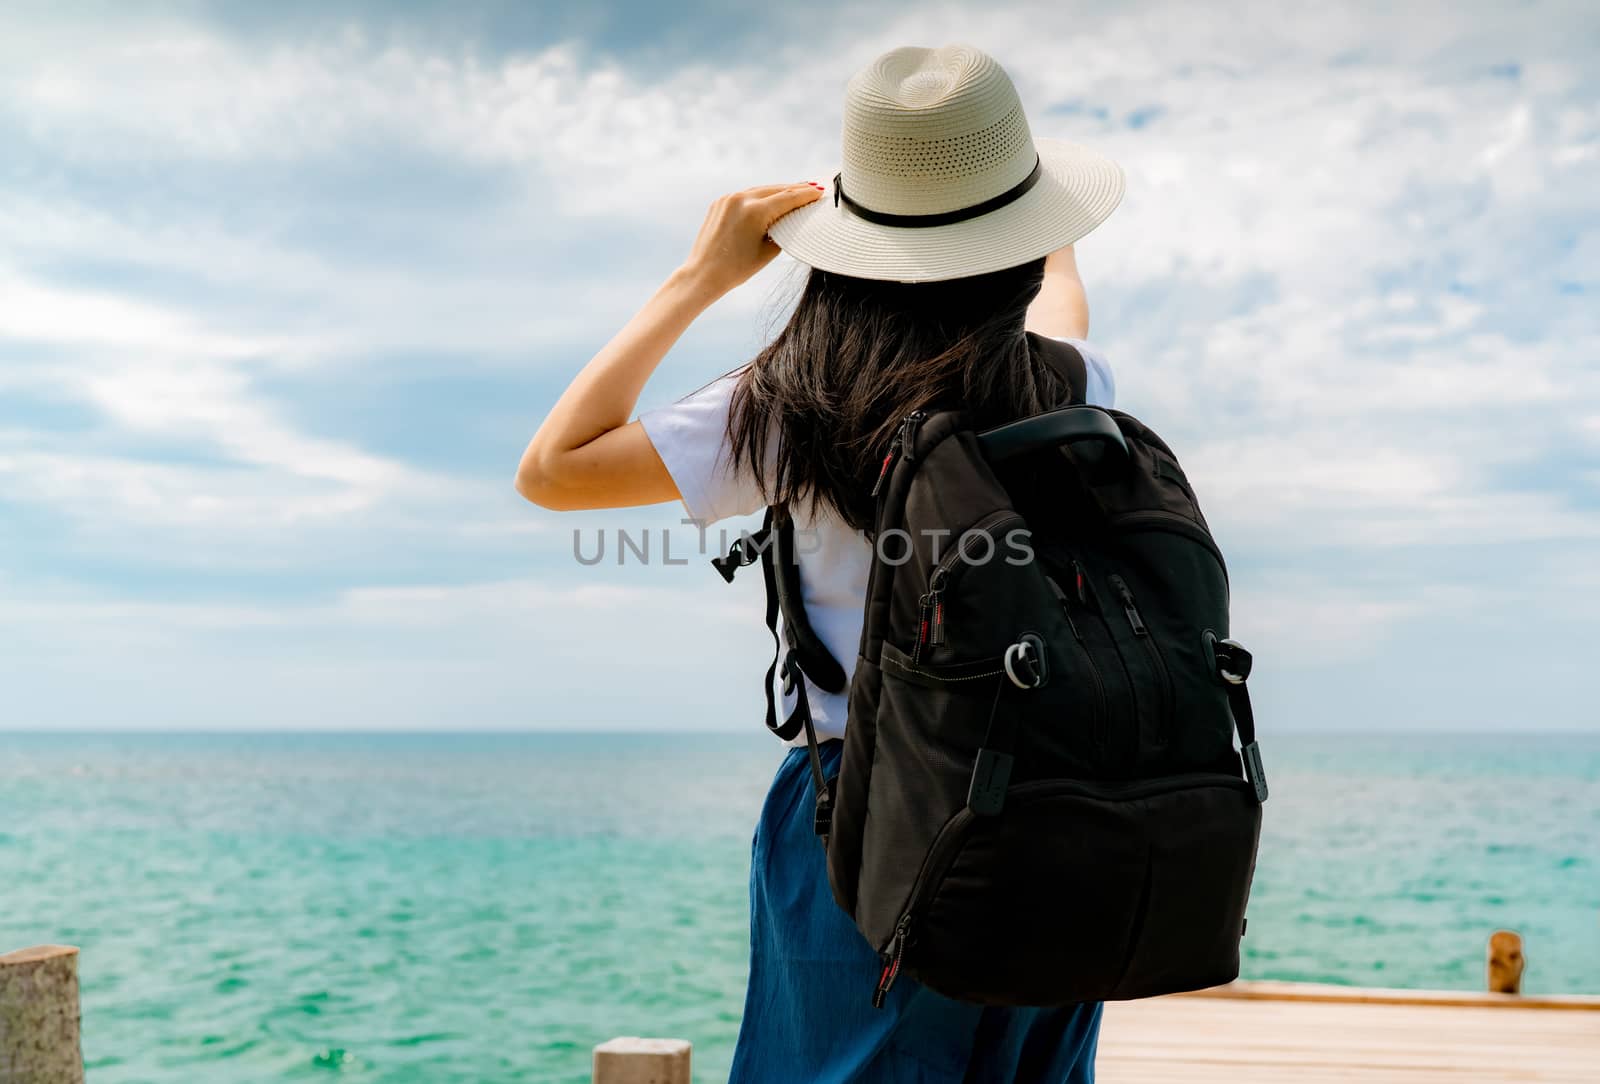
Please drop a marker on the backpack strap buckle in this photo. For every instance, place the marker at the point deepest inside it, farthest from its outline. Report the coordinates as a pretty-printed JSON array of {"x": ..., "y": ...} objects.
[
  {"x": 822, "y": 818},
  {"x": 746, "y": 550},
  {"x": 1233, "y": 661},
  {"x": 1025, "y": 662},
  {"x": 991, "y": 775}
]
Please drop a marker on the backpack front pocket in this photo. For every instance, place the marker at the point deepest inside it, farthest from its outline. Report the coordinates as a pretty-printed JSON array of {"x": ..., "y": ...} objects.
[
  {"x": 1083, "y": 892},
  {"x": 930, "y": 723},
  {"x": 960, "y": 676}
]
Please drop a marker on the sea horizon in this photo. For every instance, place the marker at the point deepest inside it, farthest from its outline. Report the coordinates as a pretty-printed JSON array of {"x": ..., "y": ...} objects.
[{"x": 1590, "y": 730}]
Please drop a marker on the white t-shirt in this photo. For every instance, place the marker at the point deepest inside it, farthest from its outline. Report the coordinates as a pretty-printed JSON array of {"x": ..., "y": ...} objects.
[{"x": 691, "y": 438}]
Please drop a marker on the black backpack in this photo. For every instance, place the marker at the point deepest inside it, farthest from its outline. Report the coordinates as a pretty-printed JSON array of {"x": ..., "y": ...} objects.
[{"x": 1039, "y": 801}]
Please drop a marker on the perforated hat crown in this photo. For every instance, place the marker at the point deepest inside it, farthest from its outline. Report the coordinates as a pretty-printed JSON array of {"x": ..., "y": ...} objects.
[
  {"x": 923, "y": 138},
  {"x": 941, "y": 176}
]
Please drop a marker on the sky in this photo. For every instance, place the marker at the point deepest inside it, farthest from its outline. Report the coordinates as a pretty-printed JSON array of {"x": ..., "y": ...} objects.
[{"x": 285, "y": 289}]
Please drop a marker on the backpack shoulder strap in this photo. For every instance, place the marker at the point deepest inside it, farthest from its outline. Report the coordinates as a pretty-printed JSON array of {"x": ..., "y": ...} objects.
[
  {"x": 806, "y": 656},
  {"x": 800, "y": 650},
  {"x": 783, "y": 580},
  {"x": 1067, "y": 362}
]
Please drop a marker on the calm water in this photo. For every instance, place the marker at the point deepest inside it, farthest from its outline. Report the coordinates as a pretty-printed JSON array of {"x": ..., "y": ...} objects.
[{"x": 477, "y": 908}]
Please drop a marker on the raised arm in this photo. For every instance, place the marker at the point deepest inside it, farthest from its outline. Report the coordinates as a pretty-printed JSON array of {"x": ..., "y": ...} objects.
[
  {"x": 587, "y": 454},
  {"x": 1061, "y": 309}
]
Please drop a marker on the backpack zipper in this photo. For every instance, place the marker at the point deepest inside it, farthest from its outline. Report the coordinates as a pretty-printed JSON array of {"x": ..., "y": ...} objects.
[
  {"x": 898, "y": 444},
  {"x": 1066, "y": 607},
  {"x": 947, "y": 844},
  {"x": 1084, "y": 586},
  {"x": 931, "y": 624},
  {"x": 1129, "y": 607},
  {"x": 1089, "y": 598},
  {"x": 975, "y": 674},
  {"x": 902, "y": 438},
  {"x": 891, "y": 963},
  {"x": 932, "y": 628},
  {"x": 1141, "y": 632},
  {"x": 1100, "y": 708}
]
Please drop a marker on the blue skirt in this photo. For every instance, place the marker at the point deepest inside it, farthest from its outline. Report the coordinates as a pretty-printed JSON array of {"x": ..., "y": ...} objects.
[{"x": 808, "y": 1015}]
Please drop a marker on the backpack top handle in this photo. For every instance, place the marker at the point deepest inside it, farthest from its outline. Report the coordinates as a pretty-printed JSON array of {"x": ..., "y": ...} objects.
[{"x": 1078, "y": 426}]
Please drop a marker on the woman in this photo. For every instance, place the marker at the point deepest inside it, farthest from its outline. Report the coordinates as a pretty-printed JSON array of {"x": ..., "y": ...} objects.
[{"x": 947, "y": 234}]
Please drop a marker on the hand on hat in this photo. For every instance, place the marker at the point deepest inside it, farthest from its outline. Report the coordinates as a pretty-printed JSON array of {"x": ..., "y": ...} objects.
[{"x": 733, "y": 242}]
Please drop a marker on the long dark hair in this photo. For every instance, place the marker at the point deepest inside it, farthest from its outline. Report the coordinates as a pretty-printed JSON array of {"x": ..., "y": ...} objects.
[{"x": 857, "y": 356}]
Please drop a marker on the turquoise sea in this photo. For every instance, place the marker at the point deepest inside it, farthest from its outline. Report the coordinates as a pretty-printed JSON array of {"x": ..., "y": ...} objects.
[{"x": 482, "y": 908}]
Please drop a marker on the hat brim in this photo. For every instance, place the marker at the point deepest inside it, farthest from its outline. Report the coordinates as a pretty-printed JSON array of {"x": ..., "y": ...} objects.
[{"x": 1076, "y": 191}]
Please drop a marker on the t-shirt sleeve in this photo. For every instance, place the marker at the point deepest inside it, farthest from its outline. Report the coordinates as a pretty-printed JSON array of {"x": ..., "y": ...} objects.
[
  {"x": 691, "y": 437},
  {"x": 1100, "y": 386}
]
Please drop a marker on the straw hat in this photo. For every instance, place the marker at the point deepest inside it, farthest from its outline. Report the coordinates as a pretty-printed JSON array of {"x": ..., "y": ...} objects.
[{"x": 941, "y": 177}]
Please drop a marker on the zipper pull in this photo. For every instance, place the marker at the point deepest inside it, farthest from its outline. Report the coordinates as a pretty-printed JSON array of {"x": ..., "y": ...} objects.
[
  {"x": 891, "y": 962},
  {"x": 1066, "y": 607},
  {"x": 935, "y": 588},
  {"x": 902, "y": 437},
  {"x": 1085, "y": 590},
  {"x": 883, "y": 471},
  {"x": 1134, "y": 620}
]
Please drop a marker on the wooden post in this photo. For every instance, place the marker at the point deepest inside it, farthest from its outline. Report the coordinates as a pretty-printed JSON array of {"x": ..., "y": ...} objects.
[
  {"x": 1505, "y": 962},
  {"x": 39, "y": 1016},
  {"x": 641, "y": 1061}
]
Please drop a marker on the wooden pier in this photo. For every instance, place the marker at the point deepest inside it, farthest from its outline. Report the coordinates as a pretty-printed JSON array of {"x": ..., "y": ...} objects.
[
  {"x": 1243, "y": 1033},
  {"x": 1292, "y": 1033},
  {"x": 1304, "y": 1033}
]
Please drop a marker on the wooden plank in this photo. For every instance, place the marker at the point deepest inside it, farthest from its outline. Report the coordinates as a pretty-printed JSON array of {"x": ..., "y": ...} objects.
[
  {"x": 1317, "y": 991},
  {"x": 1249, "y": 1037}
]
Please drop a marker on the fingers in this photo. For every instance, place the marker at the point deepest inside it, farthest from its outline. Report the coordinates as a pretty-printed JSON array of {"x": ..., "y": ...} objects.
[
  {"x": 796, "y": 193},
  {"x": 775, "y": 206},
  {"x": 765, "y": 190},
  {"x": 781, "y": 203}
]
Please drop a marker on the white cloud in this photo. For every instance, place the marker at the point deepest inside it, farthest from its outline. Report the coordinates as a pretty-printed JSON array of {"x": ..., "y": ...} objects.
[
  {"x": 594, "y": 138},
  {"x": 147, "y": 370},
  {"x": 1336, "y": 283}
]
